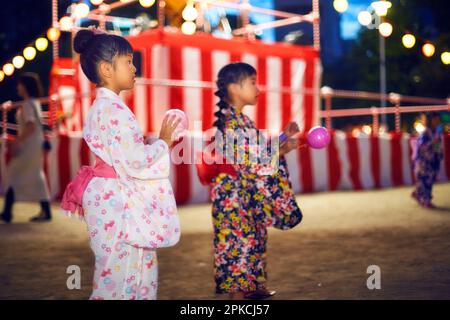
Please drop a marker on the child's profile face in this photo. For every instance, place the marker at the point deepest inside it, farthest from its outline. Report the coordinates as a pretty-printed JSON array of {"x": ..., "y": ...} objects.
[
  {"x": 124, "y": 72},
  {"x": 248, "y": 91}
]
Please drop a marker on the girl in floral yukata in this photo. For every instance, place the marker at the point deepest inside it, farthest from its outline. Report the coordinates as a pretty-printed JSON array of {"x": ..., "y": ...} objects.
[
  {"x": 427, "y": 160},
  {"x": 256, "y": 196},
  {"x": 126, "y": 199}
]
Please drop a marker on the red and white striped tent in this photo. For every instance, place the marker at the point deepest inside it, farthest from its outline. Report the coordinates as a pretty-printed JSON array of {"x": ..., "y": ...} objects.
[
  {"x": 177, "y": 66},
  {"x": 348, "y": 163},
  {"x": 196, "y": 59}
]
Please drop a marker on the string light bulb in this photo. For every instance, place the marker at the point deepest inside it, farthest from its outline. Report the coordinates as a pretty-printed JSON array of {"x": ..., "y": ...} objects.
[
  {"x": 53, "y": 34},
  {"x": 188, "y": 27},
  {"x": 18, "y": 62},
  {"x": 364, "y": 18},
  {"x": 189, "y": 12},
  {"x": 29, "y": 53},
  {"x": 408, "y": 40},
  {"x": 445, "y": 57},
  {"x": 41, "y": 44},
  {"x": 385, "y": 29},
  {"x": 428, "y": 50},
  {"x": 146, "y": 3},
  {"x": 8, "y": 69},
  {"x": 340, "y": 5}
]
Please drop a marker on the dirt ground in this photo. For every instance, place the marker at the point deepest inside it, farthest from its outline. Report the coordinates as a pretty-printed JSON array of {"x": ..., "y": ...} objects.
[{"x": 326, "y": 257}]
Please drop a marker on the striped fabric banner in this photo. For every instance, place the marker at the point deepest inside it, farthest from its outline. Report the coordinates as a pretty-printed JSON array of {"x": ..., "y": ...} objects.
[
  {"x": 348, "y": 163},
  {"x": 174, "y": 56}
]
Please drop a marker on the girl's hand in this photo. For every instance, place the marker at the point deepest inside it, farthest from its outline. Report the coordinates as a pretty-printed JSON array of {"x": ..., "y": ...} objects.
[
  {"x": 291, "y": 129},
  {"x": 168, "y": 127},
  {"x": 290, "y": 145},
  {"x": 7, "y": 105}
]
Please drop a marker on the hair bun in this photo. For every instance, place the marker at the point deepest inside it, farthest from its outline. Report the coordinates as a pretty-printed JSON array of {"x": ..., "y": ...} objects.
[{"x": 82, "y": 39}]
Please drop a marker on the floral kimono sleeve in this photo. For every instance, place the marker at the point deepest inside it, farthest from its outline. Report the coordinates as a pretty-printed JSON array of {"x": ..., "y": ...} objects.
[
  {"x": 273, "y": 198},
  {"x": 251, "y": 152}
]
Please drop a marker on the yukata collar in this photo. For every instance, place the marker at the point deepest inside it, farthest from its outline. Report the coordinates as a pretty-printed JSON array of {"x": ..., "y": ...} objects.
[
  {"x": 103, "y": 92},
  {"x": 233, "y": 111}
]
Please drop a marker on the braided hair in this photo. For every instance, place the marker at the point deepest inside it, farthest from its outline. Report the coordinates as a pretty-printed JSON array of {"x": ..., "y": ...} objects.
[{"x": 231, "y": 73}]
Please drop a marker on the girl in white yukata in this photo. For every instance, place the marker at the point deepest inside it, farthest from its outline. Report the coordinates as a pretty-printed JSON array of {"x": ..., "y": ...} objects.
[{"x": 126, "y": 199}]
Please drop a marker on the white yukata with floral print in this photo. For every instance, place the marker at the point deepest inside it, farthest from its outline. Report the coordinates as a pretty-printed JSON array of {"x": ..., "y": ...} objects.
[{"x": 128, "y": 217}]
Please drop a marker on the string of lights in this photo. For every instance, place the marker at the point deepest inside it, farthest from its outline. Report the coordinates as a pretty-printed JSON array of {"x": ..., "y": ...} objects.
[{"x": 386, "y": 29}]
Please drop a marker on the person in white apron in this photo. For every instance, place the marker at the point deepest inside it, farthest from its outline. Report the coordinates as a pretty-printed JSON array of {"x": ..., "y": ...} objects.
[{"x": 25, "y": 179}]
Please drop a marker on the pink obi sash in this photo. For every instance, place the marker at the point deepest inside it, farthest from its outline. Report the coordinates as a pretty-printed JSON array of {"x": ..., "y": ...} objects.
[{"x": 73, "y": 195}]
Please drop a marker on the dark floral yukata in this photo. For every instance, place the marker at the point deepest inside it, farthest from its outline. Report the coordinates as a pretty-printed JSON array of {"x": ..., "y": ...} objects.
[
  {"x": 427, "y": 162},
  {"x": 243, "y": 206}
]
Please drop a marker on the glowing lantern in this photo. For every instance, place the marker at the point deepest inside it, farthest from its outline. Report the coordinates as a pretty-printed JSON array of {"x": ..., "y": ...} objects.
[
  {"x": 29, "y": 53},
  {"x": 188, "y": 27},
  {"x": 385, "y": 29},
  {"x": 340, "y": 5},
  {"x": 8, "y": 69},
  {"x": 190, "y": 13},
  {"x": 53, "y": 34},
  {"x": 364, "y": 18},
  {"x": 146, "y": 3},
  {"x": 66, "y": 23},
  {"x": 445, "y": 57},
  {"x": 18, "y": 62},
  {"x": 81, "y": 10},
  {"x": 41, "y": 44},
  {"x": 428, "y": 50},
  {"x": 409, "y": 41},
  {"x": 381, "y": 7}
]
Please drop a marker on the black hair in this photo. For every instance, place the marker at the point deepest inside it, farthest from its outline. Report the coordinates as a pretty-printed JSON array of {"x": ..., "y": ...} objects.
[
  {"x": 32, "y": 83},
  {"x": 95, "y": 47},
  {"x": 430, "y": 116},
  {"x": 231, "y": 73}
]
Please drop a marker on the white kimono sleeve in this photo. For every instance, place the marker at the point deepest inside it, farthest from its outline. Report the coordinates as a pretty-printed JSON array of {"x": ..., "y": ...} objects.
[
  {"x": 151, "y": 219},
  {"x": 129, "y": 155}
]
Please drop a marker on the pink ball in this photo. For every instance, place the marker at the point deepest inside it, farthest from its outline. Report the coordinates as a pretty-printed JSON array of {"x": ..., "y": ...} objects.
[
  {"x": 318, "y": 137},
  {"x": 184, "y": 124}
]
